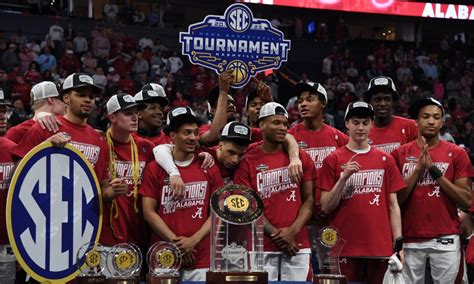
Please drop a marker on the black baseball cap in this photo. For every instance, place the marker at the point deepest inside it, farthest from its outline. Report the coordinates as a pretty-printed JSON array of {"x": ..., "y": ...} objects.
[
  {"x": 381, "y": 84},
  {"x": 237, "y": 132},
  {"x": 120, "y": 102},
  {"x": 178, "y": 117},
  {"x": 312, "y": 87},
  {"x": 417, "y": 105},
  {"x": 359, "y": 109},
  {"x": 3, "y": 101},
  {"x": 150, "y": 95},
  {"x": 79, "y": 80}
]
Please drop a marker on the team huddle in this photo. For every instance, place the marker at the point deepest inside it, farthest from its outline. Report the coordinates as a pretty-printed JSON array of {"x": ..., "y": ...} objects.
[{"x": 389, "y": 185}]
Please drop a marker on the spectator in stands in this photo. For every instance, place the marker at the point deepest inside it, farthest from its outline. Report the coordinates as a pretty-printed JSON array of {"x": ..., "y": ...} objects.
[
  {"x": 26, "y": 56},
  {"x": 438, "y": 90},
  {"x": 69, "y": 32},
  {"x": 453, "y": 87},
  {"x": 431, "y": 70},
  {"x": 111, "y": 11},
  {"x": 57, "y": 36},
  {"x": 79, "y": 44},
  {"x": 34, "y": 46},
  {"x": 138, "y": 16},
  {"x": 373, "y": 71},
  {"x": 89, "y": 63},
  {"x": 327, "y": 67},
  {"x": 69, "y": 62},
  {"x": 403, "y": 71},
  {"x": 32, "y": 75},
  {"x": 112, "y": 79},
  {"x": 145, "y": 41},
  {"x": 140, "y": 65},
  {"x": 46, "y": 60},
  {"x": 10, "y": 58},
  {"x": 127, "y": 85},
  {"x": 199, "y": 89},
  {"x": 175, "y": 62},
  {"x": 119, "y": 63},
  {"x": 159, "y": 46},
  {"x": 179, "y": 101},
  {"x": 99, "y": 78},
  {"x": 154, "y": 16},
  {"x": 19, "y": 110},
  {"x": 21, "y": 90},
  {"x": 101, "y": 44},
  {"x": 49, "y": 43}
]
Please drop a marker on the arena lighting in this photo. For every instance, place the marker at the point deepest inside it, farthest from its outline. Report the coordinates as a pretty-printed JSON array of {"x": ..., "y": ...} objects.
[{"x": 387, "y": 7}]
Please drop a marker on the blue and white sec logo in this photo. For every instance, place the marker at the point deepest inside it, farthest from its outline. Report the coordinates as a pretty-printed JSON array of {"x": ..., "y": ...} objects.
[
  {"x": 239, "y": 18},
  {"x": 54, "y": 207}
]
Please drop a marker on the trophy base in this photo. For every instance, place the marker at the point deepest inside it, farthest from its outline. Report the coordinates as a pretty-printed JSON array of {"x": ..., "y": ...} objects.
[
  {"x": 329, "y": 279},
  {"x": 122, "y": 280},
  {"x": 89, "y": 279},
  {"x": 236, "y": 277},
  {"x": 162, "y": 279}
]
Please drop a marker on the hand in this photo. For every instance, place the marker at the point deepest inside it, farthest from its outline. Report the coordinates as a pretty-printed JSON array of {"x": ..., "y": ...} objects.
[
  {"x": 47, "y": 121},
  {"x": 285, "y": 235},
  {"x": 351, "y": 167},
  {"x": 424, "y": 161},
  {"x": 263, "y": 90},
  {"x": 208, "y": 160},
  {"x": 187, "y": 259},
  {"x": 292, "y": 249},
  {"x": 60, "y": 139},
  {"x": 225, "y": 80},
  {"x": 295, "y": 169},
  {"x": 185, "y": 244},
  {"x": 281, "y": 245},
  {"x": 177, "y": 187},
  {"x": 119, "y": 187}
]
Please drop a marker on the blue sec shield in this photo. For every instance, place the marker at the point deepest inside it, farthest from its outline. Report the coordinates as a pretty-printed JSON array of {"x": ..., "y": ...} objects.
[
  {"x": 54, "y": 206},
  {"x": 235, "y": 41}
]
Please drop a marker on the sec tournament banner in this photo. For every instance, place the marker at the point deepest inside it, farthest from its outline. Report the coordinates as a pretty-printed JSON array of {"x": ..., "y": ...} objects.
[
  {"x": 53, "y": 208},
  {"x": 235, "y": 41}
]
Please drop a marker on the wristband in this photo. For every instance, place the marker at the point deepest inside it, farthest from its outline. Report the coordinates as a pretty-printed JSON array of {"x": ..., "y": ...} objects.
[
  {"x": 435, "y": 172},
  {"x": 398, "y": 244}
]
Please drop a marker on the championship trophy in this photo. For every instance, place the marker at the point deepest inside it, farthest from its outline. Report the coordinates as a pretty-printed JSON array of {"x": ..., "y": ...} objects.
[
  {"x": 329, "y": 247},
  {"x": 164, "y": 261},
  {"x": 92, "y": 266},
  {"x": 236, "y": 237},
  {"x": 124, "y": 262}
]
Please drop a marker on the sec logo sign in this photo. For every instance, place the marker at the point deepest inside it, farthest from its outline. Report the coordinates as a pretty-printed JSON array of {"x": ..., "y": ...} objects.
[{"x": 54, "y": 207}]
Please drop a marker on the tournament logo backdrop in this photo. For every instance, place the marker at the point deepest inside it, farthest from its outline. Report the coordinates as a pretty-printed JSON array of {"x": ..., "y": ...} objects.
[
  {"x": 54, "y": 206},
  {"x": 235, "y": 41}
]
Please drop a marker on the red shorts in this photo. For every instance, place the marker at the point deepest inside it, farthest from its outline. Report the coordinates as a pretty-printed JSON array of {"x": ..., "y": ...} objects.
[{"x": 368, "y": 270}]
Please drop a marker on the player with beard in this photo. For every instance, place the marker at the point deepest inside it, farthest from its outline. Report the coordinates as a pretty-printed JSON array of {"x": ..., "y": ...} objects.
[
  {"x": 288, "y": 204},
  {"x": 185, "y": 222},
  {"x": 438, "y": 175},
  {"x": 78, "y": 93},
  {"x": 389, "y": 131},
  {"x": 359, "y": 186},
  {"x": 122, "y": 220},
  {"x": 153, "y": 100},
  {"x": 46, "y": 102},
  {"x": 7, "y": 259}
]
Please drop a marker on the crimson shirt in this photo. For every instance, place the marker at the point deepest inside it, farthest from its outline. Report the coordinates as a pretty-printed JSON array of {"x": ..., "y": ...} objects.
[
  {"x": 17, "y": 132},
  {"x": 184, "y": 217},
  {"x": 6, "y": 172},
  {"x": 363, "y": 214},
  {"x": 129, "y": 225},
  {"x": 400, "y": 131},
  {"x": 159, "y": 139},
  {"x": 268, "y": 175},
  {"x": 429, "y": 212}
]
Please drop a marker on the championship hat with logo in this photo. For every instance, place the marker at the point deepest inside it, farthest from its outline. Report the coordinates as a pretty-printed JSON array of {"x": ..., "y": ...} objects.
[
  {"x": 3, "y": 101},
  {"x": 359, "y": 109},
  {"x": 79, "y": 80},
  {"x": 417, "y": 105},
  {"x": 120, "y": 102},
  {"x": 43, "y": 90},
  {"x": 237, "y": 132},
  {"x": 272, "y": 108},
  {"x": 152, "y": 93},
  {"x": 313, "y": 88},
  {"x": 381, "y": 84},
  {"x": 178, "y": 117}
]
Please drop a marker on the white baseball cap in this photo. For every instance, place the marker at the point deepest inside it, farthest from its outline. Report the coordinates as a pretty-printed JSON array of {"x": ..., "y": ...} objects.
[
  {"x": 120, "y": 101},
  {"x": 43, "y": 90},
  {"x": 272, "y": 108}
]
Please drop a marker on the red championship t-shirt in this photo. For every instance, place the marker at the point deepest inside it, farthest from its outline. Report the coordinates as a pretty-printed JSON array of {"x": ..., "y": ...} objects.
[
  {"x": 123, "y": 224},
  {"x": 17, "y": 132},
  {"x": 159, "y": 139},
  {"x": 363, "y": 214},
  {"x": 85, "y": 138},
  {"x": 429, "y": 212},
  {"x": 6, "y": 171},
  {"x": 268, "y": 175},
  {"x": 184, "y": 217},
  {"x": 400, "y": 131}
]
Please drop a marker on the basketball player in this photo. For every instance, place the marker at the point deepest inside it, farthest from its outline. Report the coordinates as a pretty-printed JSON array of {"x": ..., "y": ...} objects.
[
  {"x": 288, "y": 204},
  {"x": 359, "y": 185},
  {"x": 7, "y": 259},
  {"x": 185, "y": 222},
  {"x": 153, "y": 100},
  {"x": 46, "y": 101},
  {"x": 78, "y": 93},
  {"x": 438, "y": 175},
  {"x": 389, "y": 131}
]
